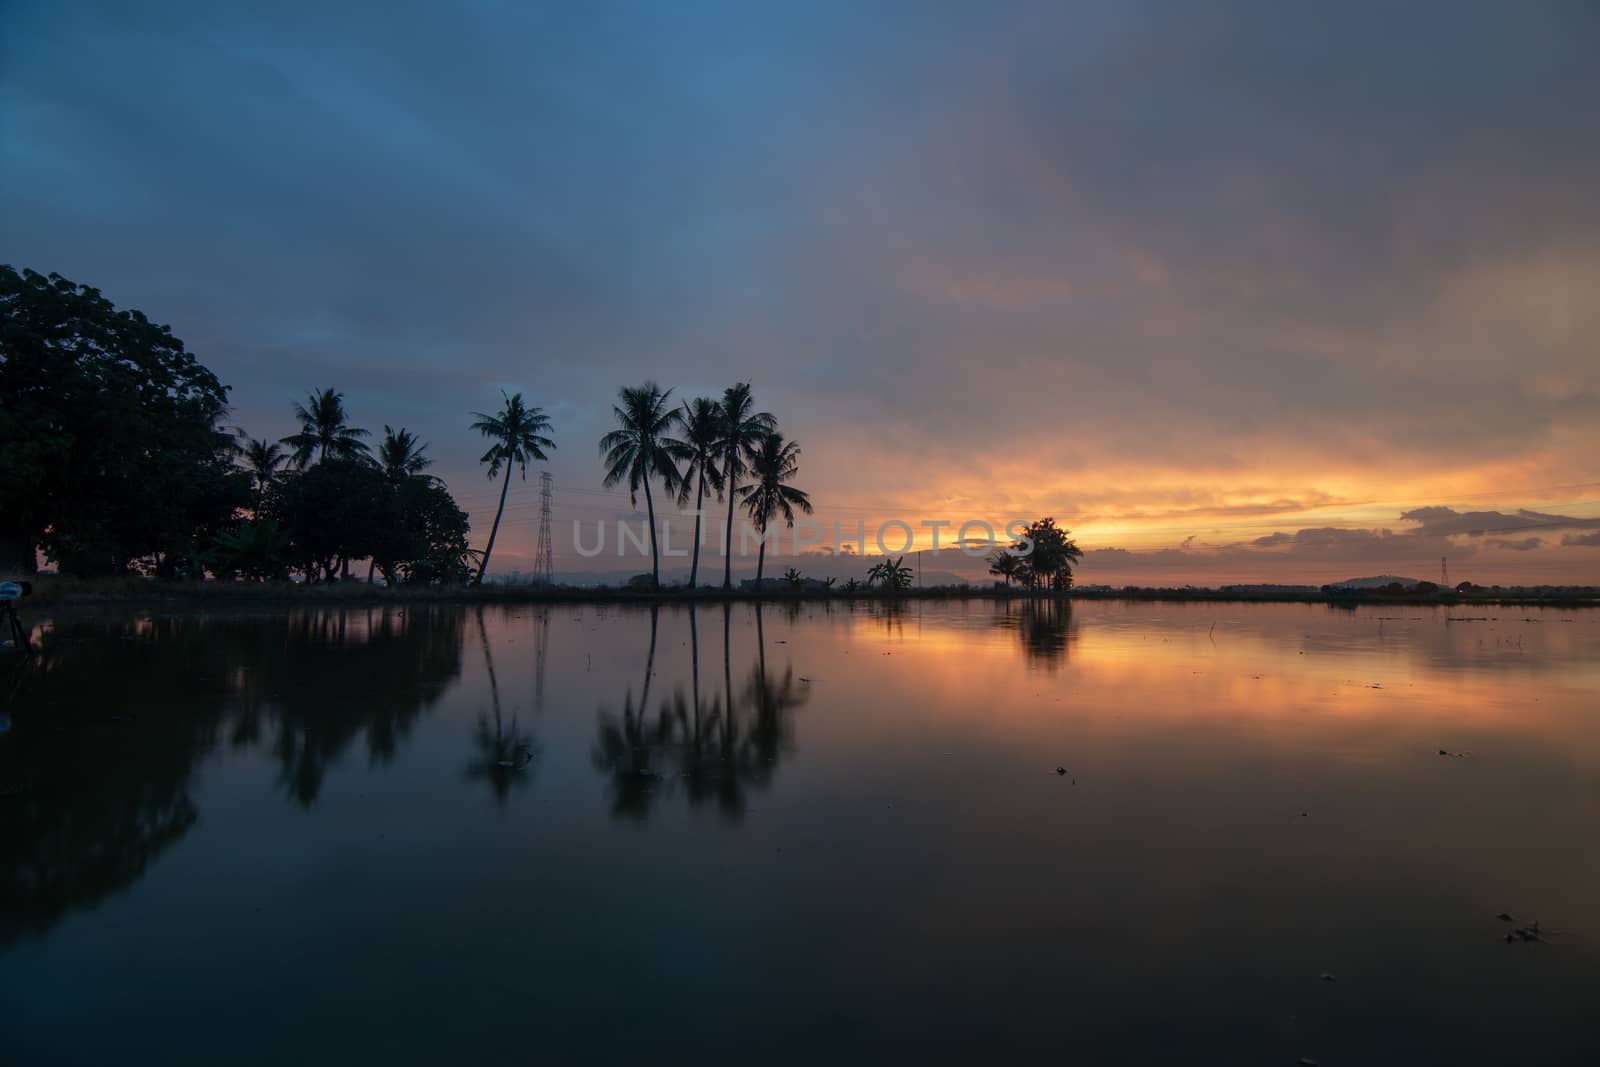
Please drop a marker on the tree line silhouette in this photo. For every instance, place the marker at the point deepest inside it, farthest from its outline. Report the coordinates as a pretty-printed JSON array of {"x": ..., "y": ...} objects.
[{"x": 115, "y": 459}]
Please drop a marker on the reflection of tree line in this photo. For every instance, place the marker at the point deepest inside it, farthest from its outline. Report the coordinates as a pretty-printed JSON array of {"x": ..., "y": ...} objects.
[
  {"x": 96, "y": 777},
  {"x": 97, "y": 774},
  {"x": 716, "y": 749},
  {"x": 1044, "y": 627}
]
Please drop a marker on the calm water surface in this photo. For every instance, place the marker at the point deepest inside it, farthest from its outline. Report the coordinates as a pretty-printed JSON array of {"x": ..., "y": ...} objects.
[{"x": 591, "y": 835}]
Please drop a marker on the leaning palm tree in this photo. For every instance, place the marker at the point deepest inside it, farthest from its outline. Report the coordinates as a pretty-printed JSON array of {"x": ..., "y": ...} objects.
[
  {"x": 400, "y": 454},
  {"x": 742, "y": 431},
  {"x": 702, "y": 432},
  {"x": 641, "y": 449},
  {"x": 771, "y": 495},
  {"x": 517, "y": 433},
  {"x": 262, "y": 459},
  {"x": 325, "y": 430}
]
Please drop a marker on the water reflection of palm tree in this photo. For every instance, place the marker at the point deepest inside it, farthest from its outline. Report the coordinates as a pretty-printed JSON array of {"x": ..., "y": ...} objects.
[
  {"x": 696, "y": 752},
  {"x": 503, "y": 756},
  {"x": 771, "y": 726},
  {"x": 628, "y": 747},
  {"x": 1044, "y": 627},
  {"x": 719, "y": 750}
]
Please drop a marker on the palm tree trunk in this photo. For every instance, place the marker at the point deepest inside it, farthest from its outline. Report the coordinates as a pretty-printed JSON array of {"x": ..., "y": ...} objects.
[
  {"x": 761, "y": 558},
  {"x": 649, "y": 665},
  {"x": 655, "y": 556},
  {"x": 727, "y": 666},
  {"x": 761, "y": 647},
  {"x": 727, "y": 543},
  {"x": 699, "y": 501},
  {"x": 495, "y": 529},
  {"x": 694, "y": 659}
]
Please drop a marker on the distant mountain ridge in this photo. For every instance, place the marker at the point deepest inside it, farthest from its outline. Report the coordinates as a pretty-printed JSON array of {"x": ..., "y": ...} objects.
[{"x": 1376, "y": 582}]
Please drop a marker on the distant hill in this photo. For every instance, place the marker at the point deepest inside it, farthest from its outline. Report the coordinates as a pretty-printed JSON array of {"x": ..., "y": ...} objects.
[{"x": 1377, "y": 582}]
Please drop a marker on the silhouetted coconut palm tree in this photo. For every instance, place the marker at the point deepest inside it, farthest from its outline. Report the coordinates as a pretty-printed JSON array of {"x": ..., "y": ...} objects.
[
  {"x": 742, "y": 430},
  {"x": 1005, "y": 565},
  {"x": 517, "y": 432},
  {"x": 262, "y": 459},
  {"x": 325, "y": 430},
  {"x": 400, "y": 454},
  {"x": 702, "y": 431},
  {"x": 642, "y": 449},
  {"x": 770, "y": 495}
]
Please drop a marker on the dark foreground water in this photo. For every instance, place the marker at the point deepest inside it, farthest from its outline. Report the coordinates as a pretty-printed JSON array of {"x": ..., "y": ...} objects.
[{"x": 431, "y": 835}]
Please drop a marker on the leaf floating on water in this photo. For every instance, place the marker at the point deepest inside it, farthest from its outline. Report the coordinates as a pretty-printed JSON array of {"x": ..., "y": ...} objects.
[{"x": 1504, "y": 917}]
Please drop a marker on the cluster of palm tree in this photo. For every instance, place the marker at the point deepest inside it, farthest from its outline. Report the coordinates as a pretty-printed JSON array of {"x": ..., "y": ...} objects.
[
  {"x": 1047, "y": 563},
  {"x": 705, "y": 446},
  {"x": 716, "y": 748},
  {"x": 325, "y": 433},
  {"x": 325, "y": 443}
]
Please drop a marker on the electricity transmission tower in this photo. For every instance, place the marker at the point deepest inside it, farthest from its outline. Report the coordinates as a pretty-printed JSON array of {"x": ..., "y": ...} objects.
[
  {"x": 1444, "y": 572},
  {"x": 543, "y": 563}
]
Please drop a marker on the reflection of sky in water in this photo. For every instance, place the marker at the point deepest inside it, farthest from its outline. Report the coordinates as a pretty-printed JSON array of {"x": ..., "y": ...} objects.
[{"x": 480, "y": 833}]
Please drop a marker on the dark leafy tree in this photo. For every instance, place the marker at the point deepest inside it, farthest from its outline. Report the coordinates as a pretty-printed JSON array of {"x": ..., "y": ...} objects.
[
  {"x": 112, "y": 453},
  {"x": 1048, "y": 563},
  {"x": 518, "y": 435},
  {"x": 257, "y": 550},
  {"x": 335, "y": 511},
  {"x": 434, "y": 531}
]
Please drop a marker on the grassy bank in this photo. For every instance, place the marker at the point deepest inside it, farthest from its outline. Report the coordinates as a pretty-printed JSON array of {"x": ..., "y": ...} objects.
[{"x": 50, "y": 590}]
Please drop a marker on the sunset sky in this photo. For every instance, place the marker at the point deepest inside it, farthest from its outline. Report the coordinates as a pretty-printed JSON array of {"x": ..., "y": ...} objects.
[{"x": 1275, "y": 292}]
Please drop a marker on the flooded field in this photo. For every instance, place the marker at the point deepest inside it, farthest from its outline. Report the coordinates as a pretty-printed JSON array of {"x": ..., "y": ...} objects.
[{"x": 952, "y": 832}]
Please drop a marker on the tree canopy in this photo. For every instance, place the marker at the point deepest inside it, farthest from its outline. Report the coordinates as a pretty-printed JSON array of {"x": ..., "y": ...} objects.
[{"x": 115, "y": 458}]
